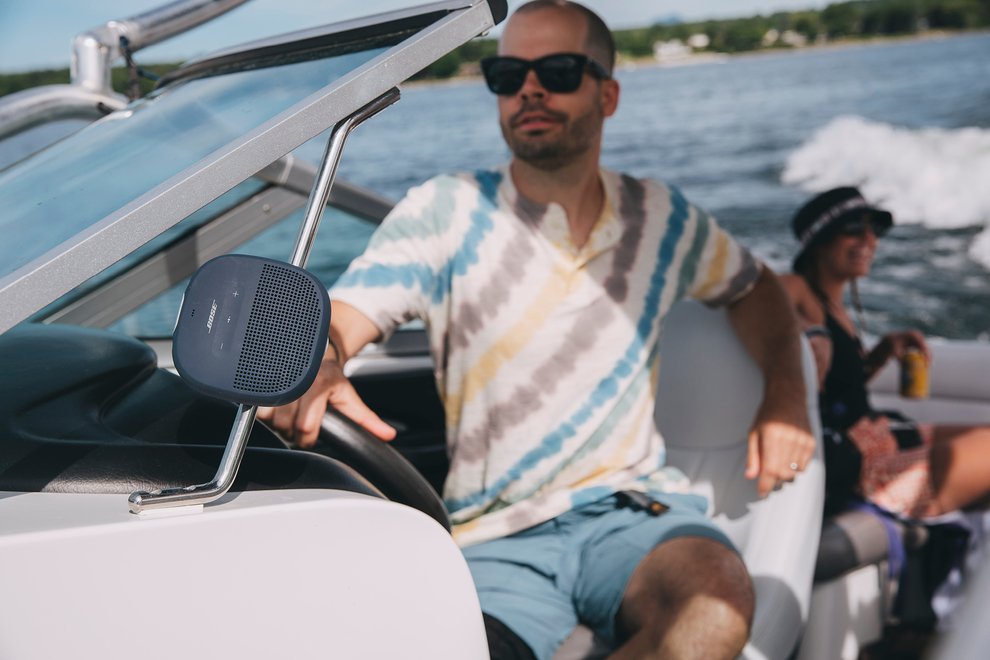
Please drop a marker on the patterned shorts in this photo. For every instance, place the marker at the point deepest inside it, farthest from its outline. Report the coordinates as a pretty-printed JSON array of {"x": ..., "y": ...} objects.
[{"x": 892, "y": 477}]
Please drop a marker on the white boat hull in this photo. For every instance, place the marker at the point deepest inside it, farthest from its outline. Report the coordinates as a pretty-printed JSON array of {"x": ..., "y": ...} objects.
[{"x": 274, "y": 574}]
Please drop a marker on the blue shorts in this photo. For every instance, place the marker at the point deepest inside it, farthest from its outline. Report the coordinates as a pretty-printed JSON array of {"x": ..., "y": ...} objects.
[{"x": 542, "y": 581}]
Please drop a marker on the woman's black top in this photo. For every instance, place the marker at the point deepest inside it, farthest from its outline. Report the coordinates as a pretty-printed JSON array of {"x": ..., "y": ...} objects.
[
  {"x": 842, "y": 402},
  {"x": 843, "y": 399}
]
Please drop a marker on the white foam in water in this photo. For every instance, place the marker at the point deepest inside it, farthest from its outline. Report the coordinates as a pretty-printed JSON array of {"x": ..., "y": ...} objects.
[{"x": 932, "y": 176}]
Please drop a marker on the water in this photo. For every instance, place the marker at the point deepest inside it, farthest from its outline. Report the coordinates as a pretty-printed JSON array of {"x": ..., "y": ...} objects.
[{"x": 751, "y": 138}]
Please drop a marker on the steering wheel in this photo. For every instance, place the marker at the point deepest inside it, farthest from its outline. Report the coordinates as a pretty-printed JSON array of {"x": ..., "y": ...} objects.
[{"x": 380, "y": 464}]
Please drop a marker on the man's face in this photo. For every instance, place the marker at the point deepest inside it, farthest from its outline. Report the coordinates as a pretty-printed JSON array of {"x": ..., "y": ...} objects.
[{"x": 544, "y": 129}]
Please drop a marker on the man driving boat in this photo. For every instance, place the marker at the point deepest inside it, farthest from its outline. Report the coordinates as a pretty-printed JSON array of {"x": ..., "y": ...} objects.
[{"x": 543, "y": 286}]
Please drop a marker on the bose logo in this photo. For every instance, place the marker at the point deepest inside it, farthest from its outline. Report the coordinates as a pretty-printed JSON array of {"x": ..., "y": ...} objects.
[{"x": 209, "y": 321}]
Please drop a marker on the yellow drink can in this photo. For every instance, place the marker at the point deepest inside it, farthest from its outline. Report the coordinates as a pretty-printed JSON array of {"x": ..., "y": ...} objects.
[{"x": 914, "y": 375}]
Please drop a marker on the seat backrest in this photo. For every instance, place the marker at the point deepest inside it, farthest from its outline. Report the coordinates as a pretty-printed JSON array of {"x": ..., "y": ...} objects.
[
  {"x": 959, "y": 387},
  {"x": 708, "y": 396}
]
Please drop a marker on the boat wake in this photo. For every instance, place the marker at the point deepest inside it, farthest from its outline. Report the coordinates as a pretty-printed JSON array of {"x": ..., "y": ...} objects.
[{"x": 930, "y": 176}]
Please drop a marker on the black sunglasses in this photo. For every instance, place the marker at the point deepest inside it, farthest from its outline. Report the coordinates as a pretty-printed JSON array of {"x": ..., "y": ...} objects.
[
  {"x": 559, "y": 73},
  {"x": 857, "y": 227}
]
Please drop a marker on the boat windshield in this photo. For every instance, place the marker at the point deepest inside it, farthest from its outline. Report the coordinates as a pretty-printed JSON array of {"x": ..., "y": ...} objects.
[
  {"x": 82, "y": 179},
  {"x": 102, "y": 194}
]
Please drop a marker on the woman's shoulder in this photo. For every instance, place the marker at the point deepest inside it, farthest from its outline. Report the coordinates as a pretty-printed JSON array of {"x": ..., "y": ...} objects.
[
  {"x": 795, "y": 285},
  {"x": 804, "y": 299}
]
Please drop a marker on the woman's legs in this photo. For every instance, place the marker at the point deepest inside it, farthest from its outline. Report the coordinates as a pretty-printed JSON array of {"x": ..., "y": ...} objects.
[{"x": 960, "y": 467}]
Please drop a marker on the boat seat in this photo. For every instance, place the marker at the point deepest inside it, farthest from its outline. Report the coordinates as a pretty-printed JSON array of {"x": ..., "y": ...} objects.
[
  {"x": 874, "y": 571},
  {"x": 852, "y": 594},
  {"x": 708, "y": 394},
  {"x": 88, "y": 411},
  {"x": 850, "y": 539}
]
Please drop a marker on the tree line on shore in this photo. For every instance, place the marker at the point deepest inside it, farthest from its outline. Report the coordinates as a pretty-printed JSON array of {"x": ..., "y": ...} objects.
[
  {"x": 859, "y": 19},
  {"x": 120, "y": 80},
  {"x": 856, "y": 19}
]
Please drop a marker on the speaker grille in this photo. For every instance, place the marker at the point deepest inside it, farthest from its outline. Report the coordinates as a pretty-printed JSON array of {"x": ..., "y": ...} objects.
[{"x": 282, "y": 327}]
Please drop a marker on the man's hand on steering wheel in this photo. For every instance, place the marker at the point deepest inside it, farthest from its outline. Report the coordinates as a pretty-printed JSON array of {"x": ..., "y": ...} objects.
[{"x": 299, "y": 421}]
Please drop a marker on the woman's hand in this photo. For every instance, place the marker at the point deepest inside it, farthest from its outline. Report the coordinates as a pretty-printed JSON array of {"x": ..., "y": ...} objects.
[
  {"x": 895, "y": 345},
  {"x": 908, "y": 339}
]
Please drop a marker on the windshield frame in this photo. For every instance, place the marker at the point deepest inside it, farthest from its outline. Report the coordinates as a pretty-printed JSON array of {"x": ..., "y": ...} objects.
[{"x": 98, "y": 246}]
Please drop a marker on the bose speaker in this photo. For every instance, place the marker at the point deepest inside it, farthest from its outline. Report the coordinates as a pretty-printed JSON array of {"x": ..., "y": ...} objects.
[{"x": 251, "y": 330}]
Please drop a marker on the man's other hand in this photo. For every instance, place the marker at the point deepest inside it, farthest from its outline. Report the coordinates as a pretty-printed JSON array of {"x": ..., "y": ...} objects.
[{"x": 780, "y": 446}]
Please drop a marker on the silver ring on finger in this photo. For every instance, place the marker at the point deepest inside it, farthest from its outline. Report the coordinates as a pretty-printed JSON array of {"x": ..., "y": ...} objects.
[{"x": 794, "y": 467}]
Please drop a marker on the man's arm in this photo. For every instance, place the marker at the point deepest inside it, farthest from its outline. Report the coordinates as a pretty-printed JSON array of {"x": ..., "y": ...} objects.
[
  {"x": 781, "y": 435},
  {"x": 299, "y": 421}
]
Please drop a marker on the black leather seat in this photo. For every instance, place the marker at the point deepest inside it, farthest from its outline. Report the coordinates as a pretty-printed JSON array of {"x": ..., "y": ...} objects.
[
  {"x": 88, "y": 411},
  {"x": 850, "y": 539}
]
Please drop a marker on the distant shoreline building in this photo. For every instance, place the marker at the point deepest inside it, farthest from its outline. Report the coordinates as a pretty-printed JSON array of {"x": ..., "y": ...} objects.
[
  {"x": 786, "y": 38},
  {"x": 675, "y": 49}
]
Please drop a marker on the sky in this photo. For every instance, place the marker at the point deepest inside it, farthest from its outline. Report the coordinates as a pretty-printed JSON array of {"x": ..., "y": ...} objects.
[{"x": 37, "y": 34}]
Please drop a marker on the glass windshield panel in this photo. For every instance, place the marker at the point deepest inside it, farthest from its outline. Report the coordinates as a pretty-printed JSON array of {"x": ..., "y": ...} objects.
[
  {"x": 89, "y": 175},
  {"x": 222, "y": 204},
  {"x": 23, "y": 144},
  {"x": 342, "y": 237}
]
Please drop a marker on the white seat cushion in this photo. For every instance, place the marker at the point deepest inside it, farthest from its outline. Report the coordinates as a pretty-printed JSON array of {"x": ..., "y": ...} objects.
[{"x": 708, "y": 395}]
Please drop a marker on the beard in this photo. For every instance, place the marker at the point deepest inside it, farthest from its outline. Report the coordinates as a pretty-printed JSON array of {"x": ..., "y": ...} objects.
[{"x": 548, "y": 152}]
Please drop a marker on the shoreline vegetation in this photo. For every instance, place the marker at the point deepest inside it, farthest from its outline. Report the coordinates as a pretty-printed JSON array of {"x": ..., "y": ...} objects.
[
  {"x": 470, "y": 73},
  {"x": 674, "y": 43}
]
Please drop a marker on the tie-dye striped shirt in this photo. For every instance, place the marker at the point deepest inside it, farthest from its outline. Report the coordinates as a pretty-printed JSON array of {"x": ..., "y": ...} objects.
[{"x": 546, "y": 355}]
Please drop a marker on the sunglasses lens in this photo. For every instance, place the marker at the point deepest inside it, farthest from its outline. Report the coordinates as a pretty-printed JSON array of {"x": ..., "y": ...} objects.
[
  {"x": 504, "y": 75},
  {"x": 854, "y": 228},
  {"x": 560, "y": 74},
  {"x": 858, "y": 227}
]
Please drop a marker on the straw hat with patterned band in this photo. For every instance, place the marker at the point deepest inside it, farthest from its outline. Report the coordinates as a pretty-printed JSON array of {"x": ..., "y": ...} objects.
[{"x": 821, "y": 218}]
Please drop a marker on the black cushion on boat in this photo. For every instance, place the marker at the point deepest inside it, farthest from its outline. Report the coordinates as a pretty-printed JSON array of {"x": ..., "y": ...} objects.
[
  {"x": 850, "y": 539},
  {"x": 854, "y": 538},
  {"x": 88, "y": 411}
]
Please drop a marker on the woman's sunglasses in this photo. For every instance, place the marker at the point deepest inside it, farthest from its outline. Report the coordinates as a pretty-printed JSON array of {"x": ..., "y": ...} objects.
[
  {"x": 559, "y": 73},
  {"x": 857, "y": 227}
]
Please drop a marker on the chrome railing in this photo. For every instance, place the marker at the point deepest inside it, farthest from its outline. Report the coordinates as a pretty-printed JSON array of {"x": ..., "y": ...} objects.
[{"x": 89, "y": 94}]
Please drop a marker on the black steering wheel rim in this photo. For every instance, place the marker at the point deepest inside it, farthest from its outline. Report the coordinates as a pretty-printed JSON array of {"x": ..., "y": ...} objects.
[{"x": 379, "y": 463}]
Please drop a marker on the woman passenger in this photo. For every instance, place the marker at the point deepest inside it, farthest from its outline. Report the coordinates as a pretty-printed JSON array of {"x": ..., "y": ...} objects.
[{"x": 910, "y": 469}]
